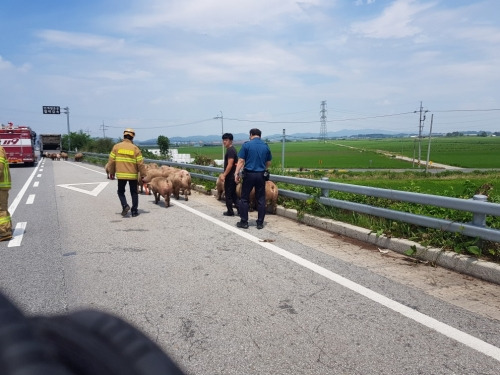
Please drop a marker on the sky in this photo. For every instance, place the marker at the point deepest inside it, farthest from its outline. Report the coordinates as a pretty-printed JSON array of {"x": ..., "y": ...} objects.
[{"x": 203, "y": 67}]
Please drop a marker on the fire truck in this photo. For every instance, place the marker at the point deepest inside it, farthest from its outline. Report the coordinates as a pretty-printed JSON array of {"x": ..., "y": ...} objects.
[{"x": 19, "y": 143}]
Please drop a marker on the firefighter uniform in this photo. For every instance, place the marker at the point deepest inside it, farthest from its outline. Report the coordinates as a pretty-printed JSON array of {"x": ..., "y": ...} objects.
[
  {"x": 126, "y": 162},
  {"x": 5, "y": 185}
]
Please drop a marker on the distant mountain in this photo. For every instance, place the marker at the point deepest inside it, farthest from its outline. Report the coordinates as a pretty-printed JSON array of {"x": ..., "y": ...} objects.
[{"x": 241, "y": 137}]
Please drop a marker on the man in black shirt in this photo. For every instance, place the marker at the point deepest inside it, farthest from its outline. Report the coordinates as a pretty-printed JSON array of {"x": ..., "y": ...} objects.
[{"x": 227, "y": 177}]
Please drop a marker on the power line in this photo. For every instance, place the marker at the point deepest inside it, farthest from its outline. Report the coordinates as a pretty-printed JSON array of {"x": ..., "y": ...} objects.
[
  {"x": 165, "y": 126},
  {"x": 470, "y": 110},
  {"x": 316, "y": 121},
  {"x": 370, "y": 117}
]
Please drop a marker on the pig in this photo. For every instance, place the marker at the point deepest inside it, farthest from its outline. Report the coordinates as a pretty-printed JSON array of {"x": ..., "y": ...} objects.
[
  {"x": 271, "y": 197},
  {"x": 161, "y": 187},
  {"x": 219, "y": 185},
  {"x": 109, "y": 176},
  {"x": 180, "y": 181}
]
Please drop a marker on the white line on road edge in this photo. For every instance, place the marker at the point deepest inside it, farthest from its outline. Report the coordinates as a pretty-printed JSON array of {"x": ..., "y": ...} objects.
[
  {"x": 15, "y": 202},
  {"x": 18, "y": 234},
  {"x": 445, "y": 329}
]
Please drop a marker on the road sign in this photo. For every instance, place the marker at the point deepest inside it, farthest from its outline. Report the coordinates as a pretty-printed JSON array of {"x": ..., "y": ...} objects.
[{"x": 51, "y": 110}]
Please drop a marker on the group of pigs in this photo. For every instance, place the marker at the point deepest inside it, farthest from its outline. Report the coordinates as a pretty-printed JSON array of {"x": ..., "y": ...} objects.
[{"x": 164, "y": 181}]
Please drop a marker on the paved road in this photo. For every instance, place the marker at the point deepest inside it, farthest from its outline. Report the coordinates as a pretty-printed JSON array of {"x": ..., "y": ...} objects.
[{"x": 288, "y": 299}]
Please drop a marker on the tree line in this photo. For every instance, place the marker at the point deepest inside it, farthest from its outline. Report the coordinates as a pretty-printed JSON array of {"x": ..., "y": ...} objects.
[{"x": 83, "y": 142}]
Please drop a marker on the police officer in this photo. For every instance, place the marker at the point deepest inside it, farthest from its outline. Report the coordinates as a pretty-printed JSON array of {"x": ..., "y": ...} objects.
[
  {"x": 126, "y": 162},
  {"x": 5, "y": 185},
  {"x": 254, "y": 158}
]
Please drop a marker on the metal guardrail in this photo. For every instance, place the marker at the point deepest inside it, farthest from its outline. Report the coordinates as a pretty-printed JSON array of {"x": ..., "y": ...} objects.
[{"x": 477, "y": 206}]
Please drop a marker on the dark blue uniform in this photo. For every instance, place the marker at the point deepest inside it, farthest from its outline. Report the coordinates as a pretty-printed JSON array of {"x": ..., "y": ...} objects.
[{"x": 256, "y": 154}]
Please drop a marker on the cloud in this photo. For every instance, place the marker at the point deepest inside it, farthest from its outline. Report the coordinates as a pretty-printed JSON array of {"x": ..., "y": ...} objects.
[
  {"x": 4, "y": 65},
  {"x": 215, "y": 15},
  {"x": 74, "y": 40},
  {"x": 397, "y": 21},
  {"x": 7, "y": 65}
]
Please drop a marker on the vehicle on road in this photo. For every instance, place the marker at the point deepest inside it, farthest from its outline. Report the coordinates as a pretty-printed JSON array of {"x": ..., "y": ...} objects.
[
  {"x": 50, "y": 143},
  {"x": 19, "y": 144}
]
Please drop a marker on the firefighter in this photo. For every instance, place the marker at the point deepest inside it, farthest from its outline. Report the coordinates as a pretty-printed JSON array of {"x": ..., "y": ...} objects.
[
  {"x": 126, "y": 162},
  {"x": 5, "y": 184}
]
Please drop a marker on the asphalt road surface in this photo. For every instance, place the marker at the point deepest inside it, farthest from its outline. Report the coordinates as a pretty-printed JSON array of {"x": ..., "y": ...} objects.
[{"x": 288, "y": 299}]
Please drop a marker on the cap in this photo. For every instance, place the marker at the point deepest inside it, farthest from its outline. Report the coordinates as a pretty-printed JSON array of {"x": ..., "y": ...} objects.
[{"x": 129, "y": 131}]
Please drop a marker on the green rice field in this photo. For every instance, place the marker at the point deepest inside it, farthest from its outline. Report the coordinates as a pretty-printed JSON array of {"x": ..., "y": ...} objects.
[{"x": 465, "y": 152}]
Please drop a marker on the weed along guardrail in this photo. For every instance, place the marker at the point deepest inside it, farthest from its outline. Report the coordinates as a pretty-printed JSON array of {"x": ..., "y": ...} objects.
[{"x": 478, "y": 206}]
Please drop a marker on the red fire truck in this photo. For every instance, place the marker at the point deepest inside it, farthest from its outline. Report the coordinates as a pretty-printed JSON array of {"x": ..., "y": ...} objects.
[{"x": 19, "y": 143}]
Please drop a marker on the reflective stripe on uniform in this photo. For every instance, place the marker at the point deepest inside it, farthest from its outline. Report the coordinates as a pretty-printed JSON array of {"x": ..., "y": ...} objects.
[
  {"x": 126, "y": 152},
  {"x": 126, "y": 176},
  {"x": 6, "y": 183},
  {"x": 4, "y": 220}
]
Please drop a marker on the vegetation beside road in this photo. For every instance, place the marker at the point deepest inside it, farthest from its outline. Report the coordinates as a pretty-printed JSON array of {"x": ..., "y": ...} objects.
[{"x": 454, "y": 184}]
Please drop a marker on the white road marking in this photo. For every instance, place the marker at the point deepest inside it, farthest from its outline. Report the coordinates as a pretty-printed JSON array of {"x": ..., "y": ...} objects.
[
  {"x": 95, "y": 192},
  {"x": 18, "y": 234},
  {"x": 90, "y": 169},
  {"x": 40, "y": 175},
  {"x": 453, "y": 333},
  {"x": 19, "y": 196},
  {"x": 31, "y": 199},
  {"x": 36, "y": 183}
]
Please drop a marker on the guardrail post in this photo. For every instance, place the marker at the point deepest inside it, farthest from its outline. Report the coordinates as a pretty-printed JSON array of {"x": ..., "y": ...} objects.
[
  {"x": 479, "y": 219},
  {"x": 325, "y": 192}
]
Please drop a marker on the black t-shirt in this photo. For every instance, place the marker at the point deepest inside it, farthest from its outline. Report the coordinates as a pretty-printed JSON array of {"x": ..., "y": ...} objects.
[{"x": 231, "y": 154}]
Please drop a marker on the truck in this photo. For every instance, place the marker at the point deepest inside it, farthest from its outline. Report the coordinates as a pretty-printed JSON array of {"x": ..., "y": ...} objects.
[
  {"x": 19, "y": 144},
  {"x": 50, "y": 143}
]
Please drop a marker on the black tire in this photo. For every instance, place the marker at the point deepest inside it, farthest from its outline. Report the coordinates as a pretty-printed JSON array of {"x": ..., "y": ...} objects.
[
  {"x": 95, "y": 343},
  {"x": 21, "y": 352},
  {"x": 82, "y": 343}
]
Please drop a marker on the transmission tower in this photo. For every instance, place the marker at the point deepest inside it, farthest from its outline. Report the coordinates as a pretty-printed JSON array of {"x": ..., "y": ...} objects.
[
  {"x": 322, "y": 131},
  {"x": 103, "y": 127}
]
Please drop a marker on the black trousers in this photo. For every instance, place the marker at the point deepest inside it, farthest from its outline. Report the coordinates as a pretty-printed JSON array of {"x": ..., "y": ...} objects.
[
  {"x": 230, "y": 192},
  {"x": 133, "y": 193},
  {"x": 253, "y": 180}
]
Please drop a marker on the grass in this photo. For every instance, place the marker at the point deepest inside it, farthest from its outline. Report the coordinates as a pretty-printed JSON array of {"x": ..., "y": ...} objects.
[
  {"x": 466, "y": 152},
  {"x": 450, "y": 184}
]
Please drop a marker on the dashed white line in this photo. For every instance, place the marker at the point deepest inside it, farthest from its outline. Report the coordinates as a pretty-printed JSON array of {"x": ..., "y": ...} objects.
[
  {"x": 36, "y": 183},
  {"x": 19, "y": 196},
  {"x": 31, "y": 199},
  {"x": 18, "y": 234}
]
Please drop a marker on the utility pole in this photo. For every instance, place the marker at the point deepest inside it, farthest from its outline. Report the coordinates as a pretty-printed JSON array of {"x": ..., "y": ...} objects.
[
  {"x": 221, "y": 117},
  {"x": 66, "y": 111},
  {"x": 420, "y": 129},
  {"x": 283, "y": 155},
  {"x": 429, "y": 147},
  {"x": 322, "y": 131}
]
